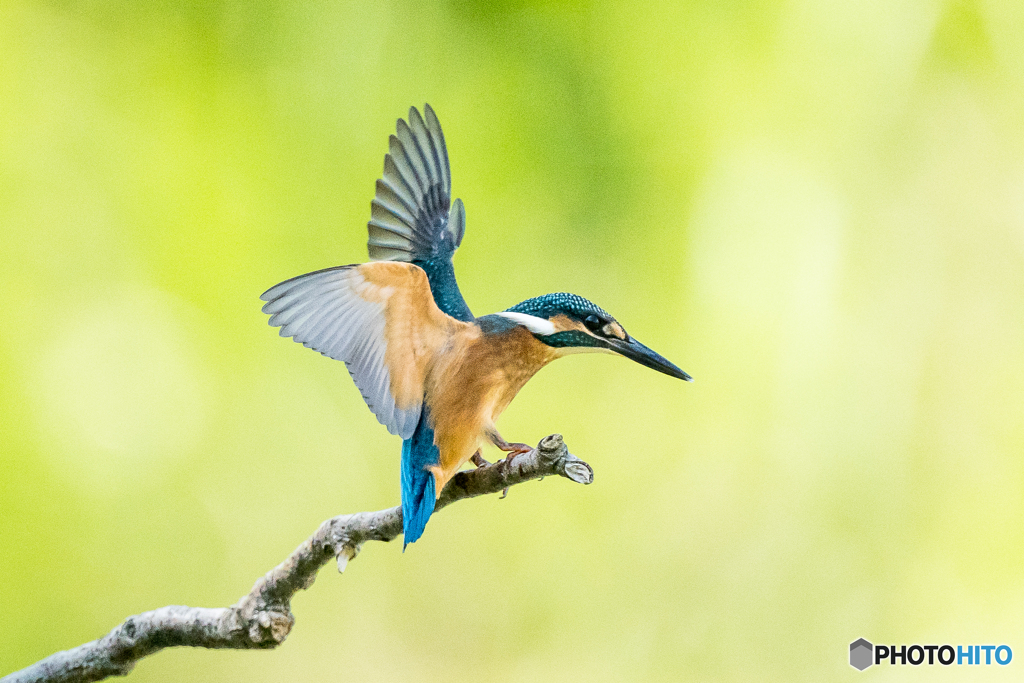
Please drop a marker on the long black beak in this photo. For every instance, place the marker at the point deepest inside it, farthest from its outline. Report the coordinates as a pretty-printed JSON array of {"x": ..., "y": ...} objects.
[{"x": 634, "y": 350}]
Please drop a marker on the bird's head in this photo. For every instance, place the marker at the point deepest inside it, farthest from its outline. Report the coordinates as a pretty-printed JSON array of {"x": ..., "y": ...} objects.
[{"x": 572, "y": 324}]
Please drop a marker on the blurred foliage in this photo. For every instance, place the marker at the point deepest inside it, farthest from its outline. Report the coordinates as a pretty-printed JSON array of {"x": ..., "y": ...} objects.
[{"x": 816, "y": 208}]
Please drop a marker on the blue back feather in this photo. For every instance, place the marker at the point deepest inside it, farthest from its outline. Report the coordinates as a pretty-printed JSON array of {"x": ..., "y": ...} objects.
[{"x": 443, "y": 286}]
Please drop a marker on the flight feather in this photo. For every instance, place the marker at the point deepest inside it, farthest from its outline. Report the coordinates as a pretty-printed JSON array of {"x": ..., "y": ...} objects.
[{"x": 380, "y": 319}]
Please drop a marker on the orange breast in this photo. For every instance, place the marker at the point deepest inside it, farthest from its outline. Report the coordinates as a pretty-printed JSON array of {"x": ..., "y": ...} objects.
[{"x": 471, "y": 384}]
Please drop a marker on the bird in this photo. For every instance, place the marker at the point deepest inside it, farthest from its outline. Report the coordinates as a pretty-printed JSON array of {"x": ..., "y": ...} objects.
[{"x": 433, "y": 373}]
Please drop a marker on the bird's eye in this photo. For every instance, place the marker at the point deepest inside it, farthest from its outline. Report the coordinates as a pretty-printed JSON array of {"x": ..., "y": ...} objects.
[{"x": 592, "y": 322}]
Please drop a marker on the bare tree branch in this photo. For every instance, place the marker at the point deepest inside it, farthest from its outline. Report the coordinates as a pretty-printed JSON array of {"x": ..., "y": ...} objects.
[{"x": 262, "y": 619}]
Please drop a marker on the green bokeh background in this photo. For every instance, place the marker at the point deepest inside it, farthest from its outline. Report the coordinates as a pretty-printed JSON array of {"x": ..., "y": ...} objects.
[{"x": 816, "y": 208}]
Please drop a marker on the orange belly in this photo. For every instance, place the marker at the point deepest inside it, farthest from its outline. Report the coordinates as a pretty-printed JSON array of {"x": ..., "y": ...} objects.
[{"x": 471, "y": 385}]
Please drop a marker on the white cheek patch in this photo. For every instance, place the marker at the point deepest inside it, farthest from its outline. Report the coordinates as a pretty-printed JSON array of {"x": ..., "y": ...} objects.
[{"x": 531, "y": 322}]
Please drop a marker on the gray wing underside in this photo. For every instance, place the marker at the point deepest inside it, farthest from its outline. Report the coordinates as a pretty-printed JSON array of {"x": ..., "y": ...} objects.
[
  {"x": 324, "y": 311},
  {"x": 412, "y": 216}
]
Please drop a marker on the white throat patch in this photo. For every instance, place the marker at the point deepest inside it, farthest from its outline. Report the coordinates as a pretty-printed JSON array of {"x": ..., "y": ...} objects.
[{"x": 531, "y": 322}]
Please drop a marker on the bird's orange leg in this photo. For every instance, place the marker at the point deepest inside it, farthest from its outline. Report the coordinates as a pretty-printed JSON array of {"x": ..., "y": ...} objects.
[{"x": 513, "y": 449}]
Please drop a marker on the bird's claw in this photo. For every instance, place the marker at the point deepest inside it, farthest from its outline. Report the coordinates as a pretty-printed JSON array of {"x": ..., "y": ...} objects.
[
  {"x": 514, "y": 450},
  {"x": 478, "y": 460}
]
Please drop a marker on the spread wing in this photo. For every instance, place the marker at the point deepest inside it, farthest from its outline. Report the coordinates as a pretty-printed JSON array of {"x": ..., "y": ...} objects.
[
  {"x": 412, "y": 217},
  {"x": 380, "y": 319}
]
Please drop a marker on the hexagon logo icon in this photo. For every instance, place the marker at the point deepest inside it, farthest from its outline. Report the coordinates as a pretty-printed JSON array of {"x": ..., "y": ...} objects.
[{"x": 861, "y": 654}]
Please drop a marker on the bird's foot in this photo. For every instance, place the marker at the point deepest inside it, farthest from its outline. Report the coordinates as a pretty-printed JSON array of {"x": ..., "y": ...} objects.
[
  {"x": 478, "y": 460},
  {"x": 514, "y": 449}
]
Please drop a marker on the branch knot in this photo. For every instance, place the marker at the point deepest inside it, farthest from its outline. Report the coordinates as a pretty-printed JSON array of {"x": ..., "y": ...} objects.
[{"x": 270, "y": 625}]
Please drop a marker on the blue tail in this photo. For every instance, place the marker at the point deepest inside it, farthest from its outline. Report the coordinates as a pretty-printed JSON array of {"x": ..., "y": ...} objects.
[{"x": 418, "y": 494}]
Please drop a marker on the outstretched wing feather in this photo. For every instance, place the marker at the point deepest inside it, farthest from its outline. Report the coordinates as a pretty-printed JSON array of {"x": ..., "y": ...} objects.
[
  {"x": 379, "y": 319},
  {"x": 412, "y": 215},
  {"x": 439, "y": 146}
]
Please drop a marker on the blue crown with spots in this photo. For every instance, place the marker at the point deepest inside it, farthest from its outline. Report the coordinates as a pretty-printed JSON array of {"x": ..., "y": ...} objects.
[{"x": 550, "y": 305}]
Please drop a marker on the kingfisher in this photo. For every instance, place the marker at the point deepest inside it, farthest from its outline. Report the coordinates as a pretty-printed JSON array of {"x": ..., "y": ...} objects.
[{"x": 433, "y": 373}]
